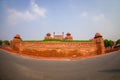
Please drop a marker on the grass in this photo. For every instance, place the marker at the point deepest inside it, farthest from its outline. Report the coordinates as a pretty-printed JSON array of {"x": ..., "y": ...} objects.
[
  {"x": 33, "y": 41},
  {"x": 76, "y": 41},
  {"x": 56, "y": 40}
]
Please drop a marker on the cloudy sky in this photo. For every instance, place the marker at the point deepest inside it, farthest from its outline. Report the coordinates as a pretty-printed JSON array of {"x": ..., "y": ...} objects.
[{"x": 32, "y": 19}]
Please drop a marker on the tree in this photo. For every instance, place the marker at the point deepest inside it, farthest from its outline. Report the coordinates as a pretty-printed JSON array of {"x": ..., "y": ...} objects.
[
  {"x": 108, "y": 43},
  {"x": 118, "y": 42},
  {"x": 6, "y": 42},
  {"x": 0, "y": 42},
  {"x": 111, "y": 43}
]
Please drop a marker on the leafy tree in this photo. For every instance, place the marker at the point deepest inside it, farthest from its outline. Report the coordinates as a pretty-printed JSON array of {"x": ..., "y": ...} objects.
[
  {"x": 106, "y": 43},
  {"x": 118, "y": 42},
  {"x": 6, "y": 42},
  {"x": 111, "y": 43},
  {"x": 0, "y": 42}
]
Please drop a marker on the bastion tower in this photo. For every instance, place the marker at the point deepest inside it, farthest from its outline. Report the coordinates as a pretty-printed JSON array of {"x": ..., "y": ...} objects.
[
  {"x": 98, "y": 39},
  {"x": 15, "y": 42}
]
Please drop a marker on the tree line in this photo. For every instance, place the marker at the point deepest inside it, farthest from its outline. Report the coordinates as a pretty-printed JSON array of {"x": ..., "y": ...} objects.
[
  {"x": 109, "y": 44},
  {"x": 4, "y": 43}
]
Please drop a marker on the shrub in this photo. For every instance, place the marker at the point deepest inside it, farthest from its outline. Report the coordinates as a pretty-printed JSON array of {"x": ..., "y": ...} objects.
[
  {"x": 6, "y": 42},
  {"x": 108, "y": 43},
  {"x": 118, "y": 42},
  {"x": 52, "y": 39},
  {"x": 76, "y": 41},
  {"x": 0, "y": 42},
  {"x": 33, "y": 41}
]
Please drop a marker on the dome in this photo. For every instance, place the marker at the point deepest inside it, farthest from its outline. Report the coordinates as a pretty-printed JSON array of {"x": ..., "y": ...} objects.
[
  {"x": 17, "y": 36},
  {"x": 98, "y": 35},
  {"x": 68, "y": 33},
  {"x": 48, "y": 34}
]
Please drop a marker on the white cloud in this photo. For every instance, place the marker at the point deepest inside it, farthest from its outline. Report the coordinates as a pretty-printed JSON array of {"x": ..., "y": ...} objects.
[
  {"x": 37, "y": 10},
  {"x": 98, "y": 17},
  {"x": 15, "y": 16},
  {"x": 84, "y": 14},
  {"x": 105, "y": 26},
  {"x": 100, "y": 23}
]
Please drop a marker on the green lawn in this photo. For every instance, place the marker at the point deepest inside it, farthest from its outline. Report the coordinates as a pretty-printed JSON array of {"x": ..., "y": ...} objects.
[{"x": 56, "y": 40}]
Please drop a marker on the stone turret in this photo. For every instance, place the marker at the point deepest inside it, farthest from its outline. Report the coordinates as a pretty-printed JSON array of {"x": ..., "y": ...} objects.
[
  {"x": 98, "y": 39},
  {"x": 68, "y": 36},
  {"x": 15, "y": 42},
  {"x": 48, "y": 36},
  {"x": 17, "y": 37}
]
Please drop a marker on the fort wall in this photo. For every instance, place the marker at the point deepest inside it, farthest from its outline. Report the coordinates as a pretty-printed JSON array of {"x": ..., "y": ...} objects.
[{"x": 59, "y": 49}]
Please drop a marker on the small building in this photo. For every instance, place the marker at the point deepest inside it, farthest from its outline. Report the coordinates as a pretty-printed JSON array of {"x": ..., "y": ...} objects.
[{"x": 58, "y": 36}]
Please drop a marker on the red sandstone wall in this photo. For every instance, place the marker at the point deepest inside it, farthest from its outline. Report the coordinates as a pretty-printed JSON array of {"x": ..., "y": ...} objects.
[
  {"x": 61, "y": 49},
  {"x": 15, "y": 44}
]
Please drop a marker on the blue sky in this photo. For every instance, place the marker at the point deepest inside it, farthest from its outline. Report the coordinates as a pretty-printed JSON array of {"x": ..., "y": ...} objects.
[{"x": 32, "y": 19}]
